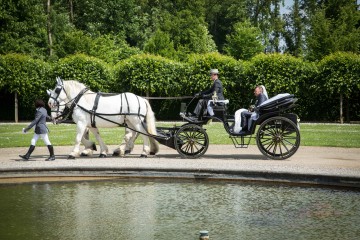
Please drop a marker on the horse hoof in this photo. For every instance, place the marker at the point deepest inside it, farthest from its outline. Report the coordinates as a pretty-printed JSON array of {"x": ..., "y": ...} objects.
[
  {"x": 143, "y": 156},
  {"x": 127, "y": 152},
  {"x": 116, "y": 154},
  {"x": 70, "y": 157},
  {"x": 102, "y": 156},
  {"x": 152, "y": 153},
  {"x": 83, "y": 155}
]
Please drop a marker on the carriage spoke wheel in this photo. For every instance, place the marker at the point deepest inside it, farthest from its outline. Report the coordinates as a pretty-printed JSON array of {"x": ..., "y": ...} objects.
[
  {"x": 278, "y": 138},
  {"x": 191, "y": 141}
]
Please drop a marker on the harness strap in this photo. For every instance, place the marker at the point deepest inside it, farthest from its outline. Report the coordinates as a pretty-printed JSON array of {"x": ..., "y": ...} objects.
[
  {"x": 138, "y": 104},
  {"x": 127, "y": 102},
  {"x": 93, "y": 111},
  {"x": 121, "y": 103}
]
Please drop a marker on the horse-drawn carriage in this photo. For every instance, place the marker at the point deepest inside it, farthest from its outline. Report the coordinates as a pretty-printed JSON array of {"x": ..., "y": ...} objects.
[{"x": 277, "y": 130}]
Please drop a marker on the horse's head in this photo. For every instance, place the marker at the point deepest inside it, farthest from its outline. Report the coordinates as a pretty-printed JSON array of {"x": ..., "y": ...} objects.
[
  {"x": 58, "y": 99},
  {"x": 58, "y": 111}
]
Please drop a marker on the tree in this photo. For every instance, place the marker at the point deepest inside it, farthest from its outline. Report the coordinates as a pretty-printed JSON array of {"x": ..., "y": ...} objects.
[
  {"x": 160, "y": 44},
  {"x": 244, "y": 42},
  {"x": 221, "y": 15},
  {"x": 333, "y": 28},
  {"x": 294, "y": 30},
  {"x": 23, "y": 27},
  {"x": 340, "y": 73}
]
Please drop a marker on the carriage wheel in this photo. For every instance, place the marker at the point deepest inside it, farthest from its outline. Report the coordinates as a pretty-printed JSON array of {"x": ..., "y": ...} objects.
[
  {"x": 191, "y": 141},
  {"x": 278, "y": 138}
]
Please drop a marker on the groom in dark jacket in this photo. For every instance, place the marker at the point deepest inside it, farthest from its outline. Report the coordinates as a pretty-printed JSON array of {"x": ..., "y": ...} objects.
[
  {"x": 41, "y": 130},
  {"x": 207, "y": 94}
]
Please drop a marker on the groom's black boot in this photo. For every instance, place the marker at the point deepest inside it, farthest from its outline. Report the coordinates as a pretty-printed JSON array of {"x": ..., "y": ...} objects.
[
  {"x": 51, "y": 151},
  {"x": 27, "y": 155}
]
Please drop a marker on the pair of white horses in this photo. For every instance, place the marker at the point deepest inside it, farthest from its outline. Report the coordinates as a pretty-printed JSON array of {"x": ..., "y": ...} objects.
[{"x": 91, "y": 111}]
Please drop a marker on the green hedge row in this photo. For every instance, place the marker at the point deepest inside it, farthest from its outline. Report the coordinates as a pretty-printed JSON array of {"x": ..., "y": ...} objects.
[{"x": 317, "y": 85}]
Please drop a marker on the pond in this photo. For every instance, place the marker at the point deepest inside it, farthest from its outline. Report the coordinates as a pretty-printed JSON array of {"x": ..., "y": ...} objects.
[{"x": 159, "y": 210}]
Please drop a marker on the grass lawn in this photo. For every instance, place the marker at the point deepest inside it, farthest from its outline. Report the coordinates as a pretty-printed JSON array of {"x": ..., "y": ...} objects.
[{"x": 331, "y": 135}]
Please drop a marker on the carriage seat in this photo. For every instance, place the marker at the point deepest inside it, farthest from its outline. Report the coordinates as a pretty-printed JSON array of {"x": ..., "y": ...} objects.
[
  {"x": 220, "y": 108},
  {"x": 278, "y": 103}
]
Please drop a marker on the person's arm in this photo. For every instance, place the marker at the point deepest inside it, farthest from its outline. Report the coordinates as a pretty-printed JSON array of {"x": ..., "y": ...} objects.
[
  {"x": 262, "y": 98},
  {"x": 208, "y": 93},
  {"x": 34, "y": 122}
]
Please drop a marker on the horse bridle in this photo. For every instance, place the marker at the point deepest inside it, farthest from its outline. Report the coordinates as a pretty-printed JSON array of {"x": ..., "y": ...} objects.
[{"x": 74, "y": 101}]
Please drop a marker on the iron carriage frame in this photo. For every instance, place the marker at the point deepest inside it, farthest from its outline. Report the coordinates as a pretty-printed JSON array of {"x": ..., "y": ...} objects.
[{"x": 276, "y": 130}]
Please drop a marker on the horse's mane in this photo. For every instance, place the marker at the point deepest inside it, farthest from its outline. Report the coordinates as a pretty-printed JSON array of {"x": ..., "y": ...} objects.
[{"x": 71, "y": 85}]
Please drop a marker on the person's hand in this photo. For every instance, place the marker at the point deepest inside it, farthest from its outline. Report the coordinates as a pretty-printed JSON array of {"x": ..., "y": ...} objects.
[
  {"x": 24, "y": 130},
  {"x": 251, "y": 108}
]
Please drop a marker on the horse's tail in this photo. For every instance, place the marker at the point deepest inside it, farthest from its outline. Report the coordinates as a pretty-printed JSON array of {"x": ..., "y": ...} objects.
[{"x": 150, "y": 119}]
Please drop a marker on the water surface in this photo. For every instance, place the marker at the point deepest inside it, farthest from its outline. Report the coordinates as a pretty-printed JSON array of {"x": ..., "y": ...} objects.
[{"x": 159, "y": 210}]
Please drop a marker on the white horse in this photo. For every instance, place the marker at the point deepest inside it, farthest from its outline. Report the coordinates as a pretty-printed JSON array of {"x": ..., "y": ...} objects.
[
  {"x": 92, "y": 110},
  {"x": 58, "y": 113}
]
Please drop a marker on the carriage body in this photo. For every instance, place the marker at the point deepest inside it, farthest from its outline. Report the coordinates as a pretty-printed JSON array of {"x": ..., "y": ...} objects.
[{"x": 276, "y": 130}]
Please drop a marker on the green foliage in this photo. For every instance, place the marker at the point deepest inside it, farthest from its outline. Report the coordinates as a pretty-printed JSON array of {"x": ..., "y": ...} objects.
[
  {"x": 222, "y": 15},
  {"x": 91, "y": 71},
  {"x": 340, "y": 73},
  {"x": 160, "y": 44},
  {"x": 189, "y": 33},
  {"x": 149, "y": 75},
  {"x": 23, "y": 28},
  {"x": 294, "y": 30},
  {"x": 27, "y": 77},
  {"x": 244, "y": 42},
  {"x": 333, "y": 28},
  {"x": 109, "y": 48}
]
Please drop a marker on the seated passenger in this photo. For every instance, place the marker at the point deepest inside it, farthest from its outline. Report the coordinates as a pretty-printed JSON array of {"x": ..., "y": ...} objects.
[
  {"x": 216, "y": 89},
  {"x": 244, "y": 114}
]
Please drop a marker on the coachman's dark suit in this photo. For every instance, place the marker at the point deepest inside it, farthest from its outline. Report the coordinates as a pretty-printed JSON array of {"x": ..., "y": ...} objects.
[{"x": 207, "y": 95}]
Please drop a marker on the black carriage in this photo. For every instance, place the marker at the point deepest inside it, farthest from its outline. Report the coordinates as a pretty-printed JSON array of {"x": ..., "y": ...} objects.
[{"x": 276, "y": 130}]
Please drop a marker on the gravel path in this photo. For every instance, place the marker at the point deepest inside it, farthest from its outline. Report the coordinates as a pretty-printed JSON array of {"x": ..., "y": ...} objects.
[{"x": 310, "y": 165}]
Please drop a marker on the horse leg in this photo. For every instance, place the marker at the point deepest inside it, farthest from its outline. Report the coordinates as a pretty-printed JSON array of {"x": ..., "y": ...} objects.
[
  {"x": 139, "y": 127},
  {"x": 154, "y": 146},
  {"x": 146, "y": 146},
  {"x": 90, "y": 146},
  {"x": 131, "y": 143},
  {"x": 103, "y": 148},
  {"x": 80, "y": 128},
  {"x": 127, "y": 143}
]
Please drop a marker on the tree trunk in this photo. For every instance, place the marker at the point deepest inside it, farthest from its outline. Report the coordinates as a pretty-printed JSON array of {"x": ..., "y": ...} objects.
[
  {"x": 48, "y": 11},
  {"x": 16, "y": 108},
  {"x": 71, "y": 11},
  {"x": 341, "y": 109},
  {"x": 347, "y": 110}
]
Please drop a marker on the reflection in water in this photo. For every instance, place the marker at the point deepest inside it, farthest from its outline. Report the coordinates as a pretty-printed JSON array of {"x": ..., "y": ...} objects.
[{"x": 176, "y": 210}]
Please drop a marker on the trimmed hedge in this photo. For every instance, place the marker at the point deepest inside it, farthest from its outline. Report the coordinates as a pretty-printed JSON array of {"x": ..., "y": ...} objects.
[
  {"x": 317, "y": 85},
  {"x": 28, "y": 78},
  {"x": 93, "y": 72},
  {"x": 339, "y": 74},
  {"x": 149, "y": 75}
]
